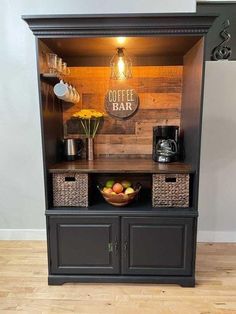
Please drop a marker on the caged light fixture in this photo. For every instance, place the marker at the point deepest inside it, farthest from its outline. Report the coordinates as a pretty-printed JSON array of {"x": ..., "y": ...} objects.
[{"x": 121, "y": 65}]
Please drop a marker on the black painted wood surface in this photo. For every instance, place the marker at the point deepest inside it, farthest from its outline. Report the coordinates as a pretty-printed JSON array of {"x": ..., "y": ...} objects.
[
  {"x": 156, "y": 246},
  {"x": 184, "y": 281},
  {"x": 118, "y": 24},
  {"x": 84, "y": 245},
  {"x": 191, "y": 110}
]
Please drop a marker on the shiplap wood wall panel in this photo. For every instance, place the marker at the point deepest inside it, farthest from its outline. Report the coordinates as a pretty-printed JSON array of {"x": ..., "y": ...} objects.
[{"x": 159, "y": 89}]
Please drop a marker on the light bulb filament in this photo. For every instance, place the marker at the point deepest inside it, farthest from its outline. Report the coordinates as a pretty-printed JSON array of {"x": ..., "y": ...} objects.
[{"x": 121, "y": 67}]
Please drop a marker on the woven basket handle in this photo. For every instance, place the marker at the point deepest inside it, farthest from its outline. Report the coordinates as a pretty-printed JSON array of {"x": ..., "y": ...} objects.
[
  {"x": 70, "y": 179},
  {"x": 170, "y": 179}
]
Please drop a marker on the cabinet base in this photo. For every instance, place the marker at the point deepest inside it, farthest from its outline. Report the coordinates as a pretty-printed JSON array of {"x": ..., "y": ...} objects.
[{"x": 187, "y": 281}]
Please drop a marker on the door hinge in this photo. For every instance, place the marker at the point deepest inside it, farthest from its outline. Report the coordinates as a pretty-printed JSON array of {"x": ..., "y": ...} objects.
[{"x": 110, "y": 247}]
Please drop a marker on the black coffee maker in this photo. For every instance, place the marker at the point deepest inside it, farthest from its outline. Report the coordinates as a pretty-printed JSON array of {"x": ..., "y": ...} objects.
[{"x": 165, "y": 143}]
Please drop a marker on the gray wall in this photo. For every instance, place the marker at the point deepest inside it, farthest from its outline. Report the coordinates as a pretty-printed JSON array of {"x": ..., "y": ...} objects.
[
  {"x": 21, "y": 187},
  {"x": 218, "y": 153}
]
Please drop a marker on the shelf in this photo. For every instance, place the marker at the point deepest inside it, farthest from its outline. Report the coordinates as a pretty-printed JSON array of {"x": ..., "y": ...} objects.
[
  {"x": 136, "y": 208},
  {"x": 51, "y": 79},
  {"x": 140, "y": 206},
  {"x": 120, "y": 166}
]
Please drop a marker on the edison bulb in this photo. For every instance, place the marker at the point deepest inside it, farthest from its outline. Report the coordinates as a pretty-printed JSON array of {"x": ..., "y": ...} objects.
[{"x": 121, "y": 66}]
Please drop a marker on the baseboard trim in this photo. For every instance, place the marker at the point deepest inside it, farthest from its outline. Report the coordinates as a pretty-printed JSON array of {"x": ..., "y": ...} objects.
[
  {"x": 216, "y": 236},
  {"x": 22, "y": 234},
  {"x": 40, "y": 234}
]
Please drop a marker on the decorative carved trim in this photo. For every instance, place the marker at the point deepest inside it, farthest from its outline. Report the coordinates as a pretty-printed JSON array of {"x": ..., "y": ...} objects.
[
  {"x": 223, "y": 52},
  {"x": 97, "y": 25}
]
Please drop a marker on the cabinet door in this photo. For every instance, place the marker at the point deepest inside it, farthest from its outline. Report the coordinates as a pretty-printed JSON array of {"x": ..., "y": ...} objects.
[
  {"x": 157, "y": 246},
  {"x": 84, "y": 245}
]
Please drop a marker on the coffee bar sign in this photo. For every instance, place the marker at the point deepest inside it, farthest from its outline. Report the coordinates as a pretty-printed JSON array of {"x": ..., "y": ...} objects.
[{"x": 121, "y": 103}]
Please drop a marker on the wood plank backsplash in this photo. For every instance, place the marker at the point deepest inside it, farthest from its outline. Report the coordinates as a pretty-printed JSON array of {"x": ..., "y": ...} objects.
[{"x": 159, "y": 89}]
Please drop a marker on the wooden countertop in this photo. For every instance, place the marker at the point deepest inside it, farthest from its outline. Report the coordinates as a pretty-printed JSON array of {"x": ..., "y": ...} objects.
[{"x": 119, "y": 166}]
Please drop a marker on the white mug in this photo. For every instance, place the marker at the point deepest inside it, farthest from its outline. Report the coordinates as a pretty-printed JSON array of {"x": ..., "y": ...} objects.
[
  {"x": 76, "y": 97},
  {"x": 66, "y": 92},
  {"x": 72, "y": 94},
  {"x": 62, "y": 91}
]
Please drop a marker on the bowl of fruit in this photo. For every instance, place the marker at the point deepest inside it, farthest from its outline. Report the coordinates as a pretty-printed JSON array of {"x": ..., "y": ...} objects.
[{"x": 119, "y": 193}]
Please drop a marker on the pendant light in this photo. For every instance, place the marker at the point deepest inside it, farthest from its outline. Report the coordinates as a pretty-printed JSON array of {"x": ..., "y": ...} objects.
[{"x": 121, "y": 65}]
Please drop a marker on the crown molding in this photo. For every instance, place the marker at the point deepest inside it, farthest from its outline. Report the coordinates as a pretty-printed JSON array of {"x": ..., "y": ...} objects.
[{"x": 118, "y": 24}]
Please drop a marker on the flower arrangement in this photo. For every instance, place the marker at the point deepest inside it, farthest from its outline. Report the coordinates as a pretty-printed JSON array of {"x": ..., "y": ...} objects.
[{"x": 90, "y": 120}]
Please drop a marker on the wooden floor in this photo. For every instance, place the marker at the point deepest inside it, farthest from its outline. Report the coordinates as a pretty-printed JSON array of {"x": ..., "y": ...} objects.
[{"x": 24, "y": 289}]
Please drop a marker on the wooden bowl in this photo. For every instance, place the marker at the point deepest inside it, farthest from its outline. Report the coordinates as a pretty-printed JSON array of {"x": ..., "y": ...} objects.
[{"x": 120, "y": 200}]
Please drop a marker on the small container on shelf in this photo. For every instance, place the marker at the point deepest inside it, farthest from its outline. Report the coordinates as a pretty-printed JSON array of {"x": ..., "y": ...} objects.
[
  {"x": 170, "y": 190},
  {"x": 70, "y": 189}
]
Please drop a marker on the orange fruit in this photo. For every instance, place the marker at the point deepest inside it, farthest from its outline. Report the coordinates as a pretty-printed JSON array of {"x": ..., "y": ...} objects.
[{"x": 118, "y": 188}]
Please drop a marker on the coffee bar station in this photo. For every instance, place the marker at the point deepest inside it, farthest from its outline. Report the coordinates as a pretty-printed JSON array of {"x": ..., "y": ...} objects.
[{"x": 121, "y": 107}]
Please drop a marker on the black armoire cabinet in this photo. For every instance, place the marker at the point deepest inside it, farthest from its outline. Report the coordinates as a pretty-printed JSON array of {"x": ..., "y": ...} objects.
[{"x": 139, "y": 242}]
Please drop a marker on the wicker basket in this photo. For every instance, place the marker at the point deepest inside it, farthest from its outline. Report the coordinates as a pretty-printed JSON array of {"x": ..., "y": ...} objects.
[
  {"x": 70, "y": 189},
  {"x": 170, "y": 190}
]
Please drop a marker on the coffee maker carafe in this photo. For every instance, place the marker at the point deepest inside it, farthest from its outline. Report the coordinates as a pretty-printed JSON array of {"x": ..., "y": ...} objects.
[{"x": 165, "y": 143}]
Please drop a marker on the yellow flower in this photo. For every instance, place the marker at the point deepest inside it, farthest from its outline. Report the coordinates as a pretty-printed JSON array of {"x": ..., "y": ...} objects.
[{"x": 88, "y": 114}]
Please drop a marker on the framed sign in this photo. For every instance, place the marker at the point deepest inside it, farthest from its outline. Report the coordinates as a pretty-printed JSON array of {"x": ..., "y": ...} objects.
[{"x": 121, "y": 103}]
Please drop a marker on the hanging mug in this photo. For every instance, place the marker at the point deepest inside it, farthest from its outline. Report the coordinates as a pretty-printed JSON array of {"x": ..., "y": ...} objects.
[
  {"x": 66, "y": 92},
  {"x": 62, "y": 91},
  {"x": 76, "y": 97}
]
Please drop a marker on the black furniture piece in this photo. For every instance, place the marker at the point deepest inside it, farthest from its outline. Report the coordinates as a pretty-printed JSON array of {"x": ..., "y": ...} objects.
[{"x": 138, "y": 243}]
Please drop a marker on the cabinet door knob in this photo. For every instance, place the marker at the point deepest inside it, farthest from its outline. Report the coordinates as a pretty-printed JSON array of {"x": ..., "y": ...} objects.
[
  {"x": 113, "y": 247},
  {"x": 110, "y": 247}
]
